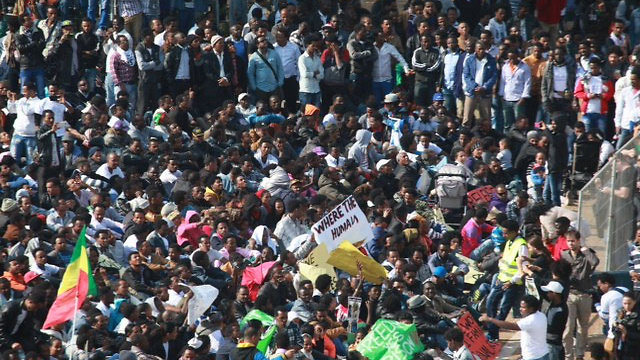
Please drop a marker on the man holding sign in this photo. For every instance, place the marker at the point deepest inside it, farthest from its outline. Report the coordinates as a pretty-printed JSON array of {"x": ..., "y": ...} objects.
[{"x": 345, "y": 222}]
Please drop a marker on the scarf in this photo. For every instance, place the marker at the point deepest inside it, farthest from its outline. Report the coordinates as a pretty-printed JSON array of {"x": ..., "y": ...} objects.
[{"x": 127, "y": 56}]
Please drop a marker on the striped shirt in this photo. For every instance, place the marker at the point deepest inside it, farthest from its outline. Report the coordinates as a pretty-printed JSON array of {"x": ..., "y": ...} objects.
[
  {"x": 634, "y": 264},
  {"x": 129, "y": 8}
]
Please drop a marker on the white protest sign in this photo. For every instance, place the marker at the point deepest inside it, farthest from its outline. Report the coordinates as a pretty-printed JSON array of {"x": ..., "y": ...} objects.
[
  {"x": 203, "y": 297},
  {"x": 346, "y": 222}
]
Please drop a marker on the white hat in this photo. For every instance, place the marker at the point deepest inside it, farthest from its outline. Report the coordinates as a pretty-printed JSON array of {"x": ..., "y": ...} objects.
[
  {"x": 553, "y": 286},
  {"x": 391, "y": 98},
  {"x": 215, "y": 39},
  {"x": 242, "y": 96},
  {"x": 382, "y": 163}
]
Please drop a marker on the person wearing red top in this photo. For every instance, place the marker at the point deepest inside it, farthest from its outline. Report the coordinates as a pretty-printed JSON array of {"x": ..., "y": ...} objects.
[
  {"x": 562, "y": 225},
  {"x": 549, "y": 15},
  {"x": 472, "y": 235},
  {"x": 596, "y": 91}
]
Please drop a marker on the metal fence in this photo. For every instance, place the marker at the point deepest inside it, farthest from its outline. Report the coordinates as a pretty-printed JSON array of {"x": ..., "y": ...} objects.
[{"x": 607, "y": 207}]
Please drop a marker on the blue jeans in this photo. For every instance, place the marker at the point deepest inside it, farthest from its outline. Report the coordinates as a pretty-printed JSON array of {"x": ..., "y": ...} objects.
[
  {"x": 310, "y": 98},
  {"x": 105, "y": 9},
  {"x": 90, "y": 76},
  {"x": 556, "y": 352},
  {"x": 108, "y": 87},
  {"x": 21, "y": 146},
  {"x": 92, "y": 10},
  {"x": 132, "y": 90},
  {"x": 499, "y": 302},
  {"x": 449, "y": 100},
  {"x": 497, "y": 117},
  {"x": 483, "y": 249},
  {"x": 380, "y": 89},
  {"x": 595, "y": 120},
  {"x": 511, "y": 111},
  {"x": 625, "y": 135},
  {"x": 36, "y": 76},
  {"x": 552, "y": 189}
]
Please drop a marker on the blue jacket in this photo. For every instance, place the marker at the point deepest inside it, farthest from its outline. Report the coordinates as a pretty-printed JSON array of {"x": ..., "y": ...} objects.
[{"x": 489, "y": 76}]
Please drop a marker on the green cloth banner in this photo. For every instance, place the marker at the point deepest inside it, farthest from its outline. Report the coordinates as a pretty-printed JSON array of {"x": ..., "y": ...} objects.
[
  {"x": 263, "y": 344},
  {"x": 265, "y": 319},
  {"x": 391, "y": 340}
]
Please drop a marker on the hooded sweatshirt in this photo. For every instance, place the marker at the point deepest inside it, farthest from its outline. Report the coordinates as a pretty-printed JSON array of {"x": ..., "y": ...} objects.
[
  {"x": 359, "y": 151},
  {"x": 189, "y": 232}
]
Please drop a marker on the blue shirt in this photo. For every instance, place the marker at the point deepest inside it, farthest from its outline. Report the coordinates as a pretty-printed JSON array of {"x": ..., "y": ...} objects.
[
  {"x": 450, "y": 63},
  {"x": 260, "y": 75}
]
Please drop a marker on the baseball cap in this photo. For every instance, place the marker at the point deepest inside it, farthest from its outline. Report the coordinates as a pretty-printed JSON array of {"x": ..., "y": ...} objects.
[
  {"x": 553, "y": 286},
  {"x": 382, "y": 163},
  {"x": 29, "y": 276},
  {"x": 440, "y": 272},
  {"x": 391, "y": 98},
  {"x": 242, "y": 96},
  {"x": 438, "y": 97},
  {"x": 310, "y": 110}
]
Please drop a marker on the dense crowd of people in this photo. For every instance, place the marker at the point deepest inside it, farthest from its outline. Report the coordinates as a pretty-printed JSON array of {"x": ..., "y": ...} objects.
[{"x": 193, "y": 141}]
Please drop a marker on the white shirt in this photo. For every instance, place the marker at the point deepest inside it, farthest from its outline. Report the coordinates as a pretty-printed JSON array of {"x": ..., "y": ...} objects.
[
  {"x": 213, "y": 255},
  {"x": 533, "y": 336},
  {"x": 431, "y": 147},
  {"x": 159, "y": 39},
  {"x": 609, "y": 305},
  {"x": 595, "y": 86},
  {"x": 515, "y": 85},
  {"x": 220, "y": 58},
  {"x": 311, "y": 72},
  {"x": 48, "y": 271},
  {"x": 104, "y": 170},
  {"x": 170, "y": 177},
  {"x": 628, "y": 108},
  {"x": 104, "y": 309},
  {"x": 480, "y": 70},
  {"x": 174, "y": 297},
  {"x": 382, "y": 66},
  {"x": 289, "y": 54},
  {"x": 58, "y": 114},
  {"x": 25, "y": 124},
  {"x": 559, "y": 80},
  {"x": 498, "y": 30}
]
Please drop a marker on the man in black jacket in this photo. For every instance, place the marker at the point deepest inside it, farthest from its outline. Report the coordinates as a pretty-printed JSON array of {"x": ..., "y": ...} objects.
[
  {"x": 150, "y": 59},
  {"x": 30, "y": 42},
  {"x": 557, "y": 160},
  {"x": 427, "y": 324},
  {"x": 363, "y": 55},
  {"x": 18, "y": 323},
  {"x": 426, "y": 63}
]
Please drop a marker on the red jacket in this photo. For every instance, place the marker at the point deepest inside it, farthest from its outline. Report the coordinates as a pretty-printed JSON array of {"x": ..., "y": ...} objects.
[{"x": 606, "y": 96}]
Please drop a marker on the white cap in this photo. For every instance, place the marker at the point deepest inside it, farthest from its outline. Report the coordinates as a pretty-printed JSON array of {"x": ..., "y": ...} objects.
[
  {"x": 382, "y": 163},
  {"x": 553, "y": 286}
]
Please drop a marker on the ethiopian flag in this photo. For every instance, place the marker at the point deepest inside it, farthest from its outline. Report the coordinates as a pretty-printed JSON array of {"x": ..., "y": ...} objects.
[{"x": 77, "y": 283}]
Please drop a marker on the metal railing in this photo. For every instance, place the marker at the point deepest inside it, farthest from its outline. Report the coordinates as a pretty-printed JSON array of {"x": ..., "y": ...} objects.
[{"x": 606, "y": 206}]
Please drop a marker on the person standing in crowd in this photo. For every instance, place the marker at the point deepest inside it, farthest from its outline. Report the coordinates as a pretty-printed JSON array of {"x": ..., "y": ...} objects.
[
  {"x": 610, "y": 303},
  {"x": 583, "y": 263},
  {"x": 508, "y": 285},
  {"x": 532, "y": 327},
  {"x": 150, "y": 61},
  {"x": 557, "y": 314},
  {"x": 30, "y": 43},
  {"x": 289, "y": 54},
  {"x": 124, "y": 70},
  {"x": 479, "y": 75},
  {"x": 452, "y": 77},
  {"x": 311, "y": 73},
  {"x": 363, "y": 56},
  {"x": 515, "y": 88},
  {"x": 265, "y": 72},
  {"x": 427, "y": 63},
  {"x": 558, "y": 83}
]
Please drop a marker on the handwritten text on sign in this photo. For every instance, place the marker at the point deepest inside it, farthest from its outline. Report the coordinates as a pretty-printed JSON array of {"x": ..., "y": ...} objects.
[
  {"x": 345, "y": 222},
  {"x": 475, "y": 340}
]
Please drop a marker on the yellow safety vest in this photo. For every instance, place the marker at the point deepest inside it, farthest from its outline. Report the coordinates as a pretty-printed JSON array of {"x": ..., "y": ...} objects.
[{"x": 508, "y": 265}]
